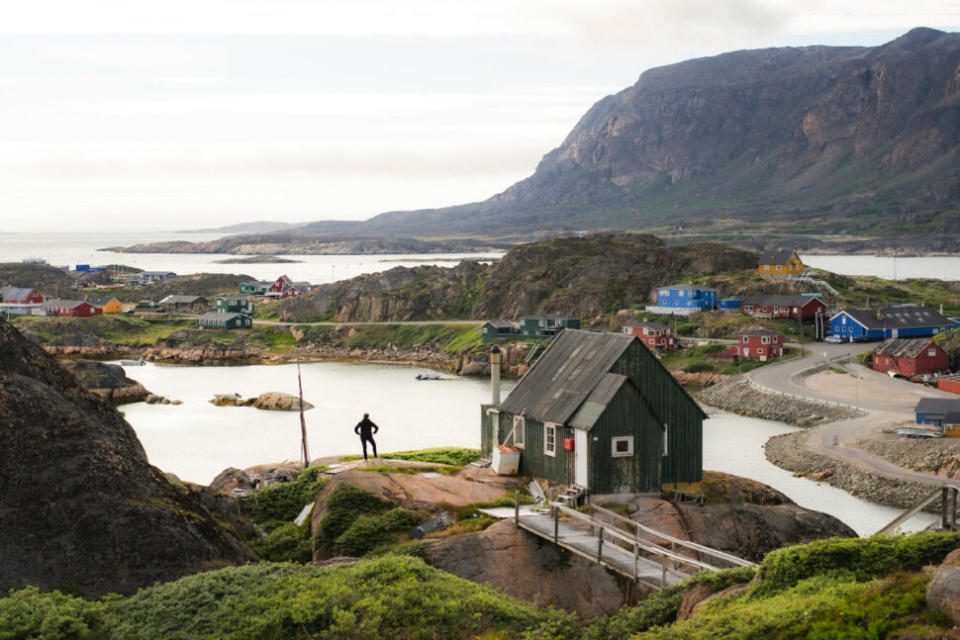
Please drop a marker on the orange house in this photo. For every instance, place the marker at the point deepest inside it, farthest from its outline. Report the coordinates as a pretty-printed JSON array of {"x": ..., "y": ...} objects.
[
  {"x": 106, "y": 304},
  {"x": 781, "y": 263}
]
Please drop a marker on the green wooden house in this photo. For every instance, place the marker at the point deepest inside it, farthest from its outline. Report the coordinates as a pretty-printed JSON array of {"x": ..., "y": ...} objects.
[
  {"x": 233, "y": 304},
  {"x": 254, "y": 288},
  {"x": 494, "y": 330},
  {"x": 221, "y": 320},
  {"x": 546, "y": 324},
  {"x": 598, "y": 410}
]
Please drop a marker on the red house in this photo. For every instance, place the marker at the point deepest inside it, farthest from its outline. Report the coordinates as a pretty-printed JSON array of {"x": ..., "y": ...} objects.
[
  {"x": 284, "y": 287},
  {"x": 653, "y": 334},
  {"x": 784, "y": 306},
  {"x": 75, "y": 308},
  {"x": 910, "y": 356},
  {"x": 21, "y": 295},
  {"x": 759, "y": 345}
]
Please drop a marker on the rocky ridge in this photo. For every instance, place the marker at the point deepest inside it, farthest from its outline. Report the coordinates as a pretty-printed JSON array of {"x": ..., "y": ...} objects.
[{"x": 82, "y": 509}]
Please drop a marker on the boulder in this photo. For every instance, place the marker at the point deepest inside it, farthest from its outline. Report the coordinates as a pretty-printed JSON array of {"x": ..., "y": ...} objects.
[
  {"x": 230, "y": 400},
  {"x": 108, "y": 381},
  {"x": 231, "y": 478},
  {"x": 691, "y": 599},
  {"x": 943, "y": 592},
  {"x": 277, "y": 401},
  {"x": 529, "y": 568},
  {"x": 82, "y": 509}
]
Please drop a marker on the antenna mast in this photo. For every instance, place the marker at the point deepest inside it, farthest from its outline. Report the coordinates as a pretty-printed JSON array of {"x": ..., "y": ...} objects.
[{"x": 303, "y": 422}]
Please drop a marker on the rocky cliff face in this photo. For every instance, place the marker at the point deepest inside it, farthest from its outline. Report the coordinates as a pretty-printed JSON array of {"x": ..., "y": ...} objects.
[
  {"x": 81, "y": 507},
  {"x": 581, "y": 276},
  {"x": 850, "y": 138}
]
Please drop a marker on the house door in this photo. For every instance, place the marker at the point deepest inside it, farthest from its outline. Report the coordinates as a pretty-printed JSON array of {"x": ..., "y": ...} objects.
[{"x": 581, "y": 452}]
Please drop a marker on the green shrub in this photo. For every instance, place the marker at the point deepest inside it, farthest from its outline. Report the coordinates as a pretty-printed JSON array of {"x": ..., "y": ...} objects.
[
  {"x": 686, "y": 328},
  {"x": 388, "y": 597},
  {"x": 661, "y": 606},
  {"x": 369, "y": 532},
  {"x": 699, "y": 367},
  {"x": 282, "y": 502},
  {"x": 30, "y": 615},
  {"x": 860, "y": 558},
  {"x": 347, "y": 503},
  {"x": 287, "y": 543}
]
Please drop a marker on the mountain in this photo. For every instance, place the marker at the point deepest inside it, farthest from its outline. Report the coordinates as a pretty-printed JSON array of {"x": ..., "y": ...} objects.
[
  {"x": 81, "y": 509},
  {"x": 853, "y": 140},
  {"x": 258, "y": 226}
]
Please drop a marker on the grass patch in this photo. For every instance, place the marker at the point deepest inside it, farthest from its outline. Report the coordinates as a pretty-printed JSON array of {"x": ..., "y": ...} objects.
[
  {"x": 411, "y": 470},
  {"x": 837, "y": 370},
  {"x": 453, "y": 456}
]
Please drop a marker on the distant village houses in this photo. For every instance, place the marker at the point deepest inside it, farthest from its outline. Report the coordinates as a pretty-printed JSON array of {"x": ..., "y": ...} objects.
[
  {"x": 254, "y": 287},
  {"x": 146, "y": 277},
  {"x": 494, "y": 330},
  {"x": 598, "y": 411},
  {"x": 106, "y": 304},
  {"x": 759, "y": 344},
  {"x": 910, "y": 357},
  {"x": 652, "y": 334},
  {"x": 224, "y": 320},
  {"x": 797, "y": 307},
  {"x": 546, "y": 324},
  {"x": 781, "y": 264},
  {"x": 21, "y": 301},
  {"x": 72, "y": 308},
  {"x": 233, "y": 304},
  {"x": 893, "y": 321},
  {"x": 684, "y": 299},
  {"x": 183, "y": 304},
  {"x": 943, "y": 413}
]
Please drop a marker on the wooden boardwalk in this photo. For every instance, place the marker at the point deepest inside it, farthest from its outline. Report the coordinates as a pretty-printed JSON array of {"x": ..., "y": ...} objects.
[{"x": 622, "y": 545}]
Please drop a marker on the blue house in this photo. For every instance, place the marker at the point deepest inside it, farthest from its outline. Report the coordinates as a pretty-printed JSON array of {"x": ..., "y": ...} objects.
[
  {"x": 939, "y": 412},
  {"x": 684, "y": 299},
  {"x": 893, "y": 321}
]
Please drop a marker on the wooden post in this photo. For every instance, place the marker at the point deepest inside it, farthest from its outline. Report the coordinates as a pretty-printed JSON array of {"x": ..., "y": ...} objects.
[
  {"x": 663, "y": 564},
  {"x": 944, "y": 506},
  {"x": 636, "y": 561},
  {"x": 600, "y": 545},
  {"x": 303, "y": 422},
  {"x": 556, "y": 525},
  {"x": 516, "y": 508}
]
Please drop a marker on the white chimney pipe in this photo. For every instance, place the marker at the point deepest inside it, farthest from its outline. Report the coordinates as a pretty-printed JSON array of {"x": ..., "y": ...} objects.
[{"x": 495, "y": 374}]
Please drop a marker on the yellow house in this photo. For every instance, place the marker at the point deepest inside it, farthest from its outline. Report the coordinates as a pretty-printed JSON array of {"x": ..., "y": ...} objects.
[
  {"x": 107, "y": 304},
  {"x": 781, "y": 263}
]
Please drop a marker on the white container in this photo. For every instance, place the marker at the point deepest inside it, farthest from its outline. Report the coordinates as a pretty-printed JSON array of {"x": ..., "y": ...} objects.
[{"x": 506, "y": 460}]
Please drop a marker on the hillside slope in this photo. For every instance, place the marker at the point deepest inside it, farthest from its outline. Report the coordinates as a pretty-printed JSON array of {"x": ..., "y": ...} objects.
[{"x": 860, "y": 140}]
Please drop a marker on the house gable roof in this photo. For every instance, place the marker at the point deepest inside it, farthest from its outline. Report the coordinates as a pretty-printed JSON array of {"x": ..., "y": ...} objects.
[
  {"x": 777, "y": 257},
  {"x": 904, "y": 347},
  {"x": 222, "y": 315},
  {"x": 596, "y": 403},
  {"x": 179, "y": 299},
  {"x": 897, "y": 316},
  {"x": 16, "y": 293},
  {"x": 781, "y": 300},
  {"x": 101, "y": 301},
  {"x": 938, "y": 405},
  {"x": 566, "y": 374}
]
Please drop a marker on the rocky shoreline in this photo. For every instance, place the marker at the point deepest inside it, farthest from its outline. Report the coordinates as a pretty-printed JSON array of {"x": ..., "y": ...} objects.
[
  {"x": 789, "y": 451},
  {"x": 738, "y": 396}
]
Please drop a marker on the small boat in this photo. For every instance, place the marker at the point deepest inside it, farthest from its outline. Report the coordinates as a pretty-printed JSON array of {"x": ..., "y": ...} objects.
[
  {"x": 911, "y": 432},
  {"x": 428, "y": 376},
  {"x": 132, "y": 363}
]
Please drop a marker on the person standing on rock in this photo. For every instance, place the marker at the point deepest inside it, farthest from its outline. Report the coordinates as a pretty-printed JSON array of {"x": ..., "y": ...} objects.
[{"x": 365, "y": 429}]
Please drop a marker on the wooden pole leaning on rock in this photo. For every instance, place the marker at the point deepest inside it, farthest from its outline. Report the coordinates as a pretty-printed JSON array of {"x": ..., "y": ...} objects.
[{"x": 303, "y": 422}]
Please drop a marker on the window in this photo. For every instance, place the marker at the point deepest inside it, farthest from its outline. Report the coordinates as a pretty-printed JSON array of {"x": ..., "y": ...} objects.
[
  {"x": 745, "y": 339},
  {"x": 746, "y": 352},
  {"x": 931, "y": 352},
  {"x": 622, "y": 447},
  {"x": 550, "y": 438},
  {"x": 779, "y": 267},
  {"x": 519, "y": 424},
  {"x": 765, "y": 340},
  {"x": 760, "y": 351}
]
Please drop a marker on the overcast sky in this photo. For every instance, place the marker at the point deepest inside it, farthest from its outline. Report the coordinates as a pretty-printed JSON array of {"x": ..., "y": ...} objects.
[{"x": 173, "y": 114}]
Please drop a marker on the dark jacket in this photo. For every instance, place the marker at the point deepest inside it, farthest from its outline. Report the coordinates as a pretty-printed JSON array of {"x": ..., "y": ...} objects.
[{"x": 364, "y": 427}]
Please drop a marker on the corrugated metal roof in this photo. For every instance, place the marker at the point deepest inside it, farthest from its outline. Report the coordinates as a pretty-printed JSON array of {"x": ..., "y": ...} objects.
[
  {"x": 566, "y": 374},
  {"x": 938, "y": 405},
  {"x": 100, "y": 301},
  {"x": 776, "y": 257},
  {"x": 759, "y": 332},
  {"x": 903, "y": 347},
  {"x": 648, "y": 325},
  {"x": 596, "y": 403},
  {"x": 15, "y": 293},
  {"x": 780, "y": 300},
  {"x": 221, "y": 315},
  {"x": 178, "y": 299},
  {"x": 898, "y": 316},
  {"x": 687, "y": 287}
]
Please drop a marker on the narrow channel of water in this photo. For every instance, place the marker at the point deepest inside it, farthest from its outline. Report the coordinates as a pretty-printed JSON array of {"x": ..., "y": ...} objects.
[{"x": 197, "y": 440}]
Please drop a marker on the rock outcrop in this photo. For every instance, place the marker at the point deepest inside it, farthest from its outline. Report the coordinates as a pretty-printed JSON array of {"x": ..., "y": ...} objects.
[
  {"x": 81, "y": 508},
  {"x": 943, "y": 592},
  {"x": 269, "y": 401},
  {"x": 109, "y": 381}
]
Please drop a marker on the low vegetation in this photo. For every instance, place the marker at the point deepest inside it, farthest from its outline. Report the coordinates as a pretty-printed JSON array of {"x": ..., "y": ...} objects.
[{"x": 454, "y": 456}]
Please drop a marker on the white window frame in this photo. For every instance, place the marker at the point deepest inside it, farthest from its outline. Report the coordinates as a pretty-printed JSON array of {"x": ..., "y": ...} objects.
[
  {"x": 764, "y": 339},
  {"x": 931, "y": 352},
  {"x": 621, "y": 454},
  {"x": 547, "y": 428},
  {"x": 519, "y": 426}
]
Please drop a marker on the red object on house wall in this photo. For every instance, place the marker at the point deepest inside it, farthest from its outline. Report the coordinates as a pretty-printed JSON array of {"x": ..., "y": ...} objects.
[
  {"x": 910, "y": 357},
  {"x": 568, "y": 444}
]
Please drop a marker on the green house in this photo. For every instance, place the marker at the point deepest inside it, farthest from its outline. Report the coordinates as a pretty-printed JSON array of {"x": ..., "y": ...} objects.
[
  {"x": 221, "y": 320},
  {"x": 547, "y": 324},
  {"x": 254, "y": 288},
  {"x": 233, "y": 304},
  {"x": 598, "y": 410},
  {"x": 494, "y": 330}
]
